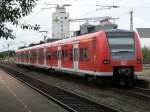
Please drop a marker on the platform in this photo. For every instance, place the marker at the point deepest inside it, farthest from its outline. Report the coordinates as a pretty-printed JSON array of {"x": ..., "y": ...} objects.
[
  {"x": 18, "y": 97},
  {"x": 144, "y": 79}
]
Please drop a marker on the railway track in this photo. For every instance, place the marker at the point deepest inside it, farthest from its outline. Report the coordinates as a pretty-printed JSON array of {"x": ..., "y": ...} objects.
[
  {"x": 140, "y": 93},
  {"x": 70, "y": 101},
  {"x": 144, "y": 90},
  {"x": 137, "y": 92},
  {"x": 146, "y": 66}
]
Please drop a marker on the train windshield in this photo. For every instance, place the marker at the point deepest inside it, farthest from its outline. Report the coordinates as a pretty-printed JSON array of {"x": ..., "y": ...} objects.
[{"x": 122, "y": 45}]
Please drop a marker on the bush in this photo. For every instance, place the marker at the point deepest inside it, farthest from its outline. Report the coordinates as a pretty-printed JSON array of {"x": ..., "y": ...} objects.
[{"x": 146, "y": 55}]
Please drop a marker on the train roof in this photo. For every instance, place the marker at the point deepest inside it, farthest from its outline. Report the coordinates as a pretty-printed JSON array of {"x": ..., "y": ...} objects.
[
  {"x": 118, "y": 30},
  {"x": 72, "y": 39}
]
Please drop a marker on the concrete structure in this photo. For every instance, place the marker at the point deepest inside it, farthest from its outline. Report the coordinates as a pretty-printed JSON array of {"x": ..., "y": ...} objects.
[
  {"x": 60, "y": 23},
  {"x": 144, "y": 32},
  {"x": 17, "y": 97}
]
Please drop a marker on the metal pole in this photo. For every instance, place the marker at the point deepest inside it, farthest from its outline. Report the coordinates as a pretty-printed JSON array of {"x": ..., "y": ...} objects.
[
  {"x": 8, "y": 51},
  {"x": 131, "y": 20}
]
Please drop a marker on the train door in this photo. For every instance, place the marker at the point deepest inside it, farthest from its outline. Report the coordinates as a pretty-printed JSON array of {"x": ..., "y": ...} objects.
[
  {"x": 36, "y": 56},
  {"x": 59, "y": 56},
  {"x": 75, "y": 56},
  {"x": 24, "y": 56},
  {"x": 44, "y": 56},
  {"x": 29, "y": 56}
]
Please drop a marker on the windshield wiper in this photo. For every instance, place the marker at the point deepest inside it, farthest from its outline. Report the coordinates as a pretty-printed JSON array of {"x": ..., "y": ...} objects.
[{"x": 122, "y": 51}]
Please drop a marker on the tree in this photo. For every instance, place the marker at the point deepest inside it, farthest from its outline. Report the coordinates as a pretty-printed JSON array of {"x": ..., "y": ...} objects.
[
  {"x": 13, "y": 10},
  {"x": 146, "y": 54}
]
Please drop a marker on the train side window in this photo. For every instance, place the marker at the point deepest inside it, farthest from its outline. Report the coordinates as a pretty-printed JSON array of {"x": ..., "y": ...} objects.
[
  {"x": 70, "y": 55},
  {"x": 81, "y": 54},
  {"x": 29, "y": 55},
  {"x": 48, "y": 56},
  {"x": 62, "y": 54},
  {"x": 36, "y": 54},
  {"x": 32, "y": 55},
  {"x": 21, "y": 55},
  {"x": 86, "y": 54},
  {"x": 94, "y": 44},
  {"x": 39, "y": 55},
  {"x": 26, "y": 55},
  {"x": 52, "y": 55},
  {"x": 44, "y": 55},
  {"x": 75, "y": 54},
  {"x": 56, "y": 55}
]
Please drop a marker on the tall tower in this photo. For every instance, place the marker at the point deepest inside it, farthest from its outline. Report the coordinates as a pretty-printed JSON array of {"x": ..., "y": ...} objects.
[{"x": 60, "y": 23}]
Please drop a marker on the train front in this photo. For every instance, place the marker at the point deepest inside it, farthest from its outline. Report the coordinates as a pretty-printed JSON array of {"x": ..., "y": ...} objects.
[{"x": 126, "y": 55}]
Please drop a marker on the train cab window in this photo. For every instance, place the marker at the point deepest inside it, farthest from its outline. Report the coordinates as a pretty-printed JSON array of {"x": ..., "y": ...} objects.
[
  {"x": 70, "y": 55},
  {"x": 122, "y": 45}
]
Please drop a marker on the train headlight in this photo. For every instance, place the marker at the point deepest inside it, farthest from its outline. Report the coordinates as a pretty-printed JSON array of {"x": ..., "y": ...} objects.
[
  {"x": 106, "y": 61},
  {"x": 139, "y": 61}
]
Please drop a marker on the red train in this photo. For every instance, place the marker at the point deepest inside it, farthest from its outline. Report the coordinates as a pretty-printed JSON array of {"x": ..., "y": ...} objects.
[{"x": 105, "y": 54}]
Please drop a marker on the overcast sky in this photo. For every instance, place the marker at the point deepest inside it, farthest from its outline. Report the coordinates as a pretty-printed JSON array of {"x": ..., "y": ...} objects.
[{"x": 80, "y": 9}]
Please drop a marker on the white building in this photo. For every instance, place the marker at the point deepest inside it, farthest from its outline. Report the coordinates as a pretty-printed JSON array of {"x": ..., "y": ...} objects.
[{"x": 60, "y": 23}]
